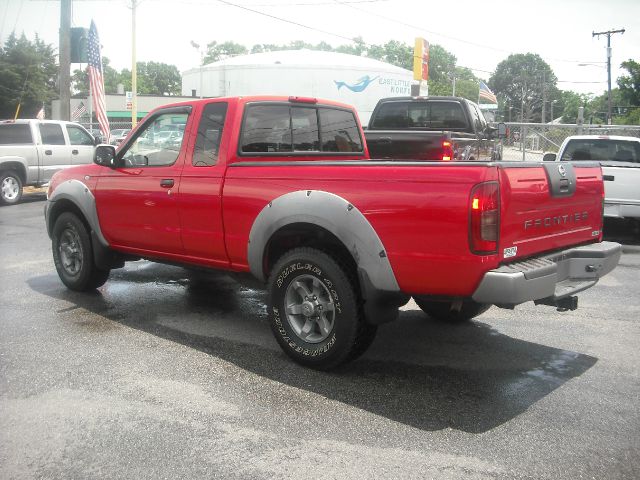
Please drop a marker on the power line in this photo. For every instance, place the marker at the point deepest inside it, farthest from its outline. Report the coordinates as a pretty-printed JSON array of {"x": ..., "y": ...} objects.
[
  {"x": 285, "y": 20},
  {"x": 399, "y": 22}
]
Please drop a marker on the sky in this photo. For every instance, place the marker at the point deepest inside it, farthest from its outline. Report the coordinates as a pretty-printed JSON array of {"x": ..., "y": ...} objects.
[{"x": 480, "y": 34}]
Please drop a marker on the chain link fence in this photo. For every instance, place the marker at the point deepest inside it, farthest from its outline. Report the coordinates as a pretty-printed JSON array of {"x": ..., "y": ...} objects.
[{"x": 529, "y": 141}]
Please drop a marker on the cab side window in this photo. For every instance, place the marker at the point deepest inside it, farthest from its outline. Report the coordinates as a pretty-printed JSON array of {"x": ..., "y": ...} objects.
[
  {"x": 78, "y": 136},
  {"x": 209, "y": 134},
  {"x": 51, "y": 134},
  {"x": 158, "y": 144}
]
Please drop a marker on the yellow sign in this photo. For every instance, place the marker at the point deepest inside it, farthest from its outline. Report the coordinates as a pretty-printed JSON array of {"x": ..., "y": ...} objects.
[{"x": 421, "y": 60}]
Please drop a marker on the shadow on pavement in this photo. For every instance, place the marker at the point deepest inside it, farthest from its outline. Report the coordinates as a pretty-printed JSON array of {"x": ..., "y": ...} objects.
[
  {"x": 418, "y": 372},
  {"x": 622, "y": 231}
]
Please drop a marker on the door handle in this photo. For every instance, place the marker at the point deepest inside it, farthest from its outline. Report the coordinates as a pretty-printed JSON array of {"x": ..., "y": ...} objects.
[
  {"x": 166, "y": 182},
  {"x": 75, "y": 152},
  {"x": 608, "y": 178},
  {"x": 48, "y": 152}
]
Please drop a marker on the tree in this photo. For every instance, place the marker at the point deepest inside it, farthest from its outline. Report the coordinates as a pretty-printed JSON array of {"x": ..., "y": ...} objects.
[
  {"x": 154, "y": 78},
  {"x": 218, "y": 51},
  {"x": 80, "y": 79},
  {"x": 29, "y": 74},
  {"x": 629, "y": 85},
  {"x": 519, "y": 81},
  {"x": 597, "y": 108},
  {"x": 393, "y": 52},
  {"x": 569, "y": 104}
]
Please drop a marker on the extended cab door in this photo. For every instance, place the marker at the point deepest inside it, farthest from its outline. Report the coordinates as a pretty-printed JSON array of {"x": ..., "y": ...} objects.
[
  {"x": 200, "y": 202},
  {"x": 53, "y": 151},
  {"x": 137, "y": 200}
]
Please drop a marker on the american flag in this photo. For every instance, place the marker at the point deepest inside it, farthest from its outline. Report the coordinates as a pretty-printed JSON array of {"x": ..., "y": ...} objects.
[
  {"x": 97, "y": 81},
  {"x": 78, "y": 112},
  {"x": 486, "y": 93}
]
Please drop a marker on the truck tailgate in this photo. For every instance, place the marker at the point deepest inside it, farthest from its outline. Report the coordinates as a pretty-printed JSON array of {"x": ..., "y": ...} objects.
[
  {"x": 549, "y": 206},
  {"x": 405, "y": 145}
]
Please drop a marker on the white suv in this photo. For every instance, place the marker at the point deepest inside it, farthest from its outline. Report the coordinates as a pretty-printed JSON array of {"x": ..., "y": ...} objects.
[{"x": 31, "y": 151}]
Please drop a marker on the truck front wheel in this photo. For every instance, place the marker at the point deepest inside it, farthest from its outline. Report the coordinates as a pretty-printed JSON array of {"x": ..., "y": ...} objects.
[
  {"x": 452, "y": 312},
  {"x": 10, "y": 188},
  {"x": 73, "y": 255},
  {"x": 315, "y": 311}
]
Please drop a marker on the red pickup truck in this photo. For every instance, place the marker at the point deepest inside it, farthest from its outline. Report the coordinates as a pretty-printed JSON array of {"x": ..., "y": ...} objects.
[{"x": 283, "y": 189}]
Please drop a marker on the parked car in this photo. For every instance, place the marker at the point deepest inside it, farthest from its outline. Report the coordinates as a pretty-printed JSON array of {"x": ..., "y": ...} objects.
[
  {"x": 118, "y": 135},
  {"x": 283, "y": 189},
  {"x": 620, "y": 160},
  {"x": 31, "y": 151}
]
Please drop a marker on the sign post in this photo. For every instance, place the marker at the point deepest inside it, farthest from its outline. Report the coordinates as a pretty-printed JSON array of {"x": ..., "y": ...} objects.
[{"x": 421, "y": 66}]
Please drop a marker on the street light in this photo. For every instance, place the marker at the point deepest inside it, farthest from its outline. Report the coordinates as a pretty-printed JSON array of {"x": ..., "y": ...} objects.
[{"x": 197, "y": 47}]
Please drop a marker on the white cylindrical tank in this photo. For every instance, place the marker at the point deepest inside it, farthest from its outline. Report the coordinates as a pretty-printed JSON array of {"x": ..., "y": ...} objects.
[{"x": 358, "y": 81}]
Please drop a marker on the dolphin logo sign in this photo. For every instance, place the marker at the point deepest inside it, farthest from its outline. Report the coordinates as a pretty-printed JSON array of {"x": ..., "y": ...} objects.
[{"x": 360, "y": 85}]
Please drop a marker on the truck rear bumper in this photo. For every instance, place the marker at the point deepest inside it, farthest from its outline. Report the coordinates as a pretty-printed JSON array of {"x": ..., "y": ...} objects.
[
  {"x": 621, "y": 210},
  {"x": 550, "y": 277}
]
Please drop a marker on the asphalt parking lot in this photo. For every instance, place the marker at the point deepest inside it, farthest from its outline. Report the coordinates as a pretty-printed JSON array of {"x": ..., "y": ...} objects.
[{"x": 164, "y": 373}]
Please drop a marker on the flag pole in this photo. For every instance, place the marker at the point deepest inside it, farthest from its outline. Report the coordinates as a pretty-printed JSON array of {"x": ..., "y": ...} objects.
[{"x": 90, "y": 102}]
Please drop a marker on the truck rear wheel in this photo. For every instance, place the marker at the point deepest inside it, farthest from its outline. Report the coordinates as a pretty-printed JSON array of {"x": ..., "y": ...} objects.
[
  {"x": 315, "y": 311},
  {"x": 10, "y": 188},
  {"x": 450, "y": 312},
  {"x": 73, "y": 255}
]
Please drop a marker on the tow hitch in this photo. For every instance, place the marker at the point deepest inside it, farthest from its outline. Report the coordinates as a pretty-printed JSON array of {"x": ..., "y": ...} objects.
[{"x": 562, "y": 304}]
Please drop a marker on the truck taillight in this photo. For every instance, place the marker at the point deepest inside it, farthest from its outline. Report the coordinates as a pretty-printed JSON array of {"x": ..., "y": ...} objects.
[
  {"x": 484, "y": 218},
  {"x": 447, "y": 151},
  {"x": 601, "y": 214}
]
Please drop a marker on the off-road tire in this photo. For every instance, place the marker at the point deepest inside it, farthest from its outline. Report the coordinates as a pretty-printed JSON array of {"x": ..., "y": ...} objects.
[
  {"x": 73, "y": 255},
  {"x": 315, "y": 310},
  {"x": 10, "y": 187},
  {"x": 444, "y": 312}
]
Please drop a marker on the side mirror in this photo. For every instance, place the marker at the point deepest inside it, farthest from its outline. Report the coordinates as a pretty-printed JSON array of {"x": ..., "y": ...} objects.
[
  {"x": 549, "y": 157},
  {"x": 490, "y": 132},
  {"x": 96, "y": 140},
  {"x": 105, "y": 156}
]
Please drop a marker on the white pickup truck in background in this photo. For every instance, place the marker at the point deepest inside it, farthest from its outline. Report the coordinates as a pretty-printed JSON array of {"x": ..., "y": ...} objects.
[
  {"x": 620, "y": 161},
  {"x": 31, "y": 151}
]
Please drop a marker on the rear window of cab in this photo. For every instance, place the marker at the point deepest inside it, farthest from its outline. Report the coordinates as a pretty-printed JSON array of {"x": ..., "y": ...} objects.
[{"x": 296, "y": 129}]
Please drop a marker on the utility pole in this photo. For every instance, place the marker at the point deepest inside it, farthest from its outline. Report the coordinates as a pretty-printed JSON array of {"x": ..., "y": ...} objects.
[
  {"x": 65, "y": 59},
  {"x": 608, "y": 33},
  {"x": 134, "y": 67},
  {"x": 544, "y": 97}
]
